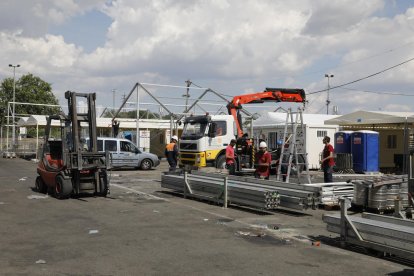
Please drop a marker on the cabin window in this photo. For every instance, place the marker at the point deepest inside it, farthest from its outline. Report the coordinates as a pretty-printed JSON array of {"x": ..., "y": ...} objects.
[
  {"x": 272, "y": 140},
  {"x": 110, "y": 145},
  {"x": 392, "y": 141},
  {"x": 221, "y": 128},
  {"x": 321, "y": 133}
]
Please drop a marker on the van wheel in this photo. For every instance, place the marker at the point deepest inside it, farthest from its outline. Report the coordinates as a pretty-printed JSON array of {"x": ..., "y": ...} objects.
[
  {"x": 146, "y": 164},
  {"x": 40, "y": 185},
  {"x": 63, "y": 187},
  {"x": 221, "y": 162}
]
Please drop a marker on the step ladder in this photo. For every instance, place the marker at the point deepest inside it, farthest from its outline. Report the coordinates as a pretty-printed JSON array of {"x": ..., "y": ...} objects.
[{"x": 293, "y": 152}]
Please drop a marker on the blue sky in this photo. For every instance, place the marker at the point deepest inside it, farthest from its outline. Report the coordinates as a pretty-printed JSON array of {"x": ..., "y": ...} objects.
[
  {"x": 86, "y": 30},
  {"x": 233, "y": 47}
]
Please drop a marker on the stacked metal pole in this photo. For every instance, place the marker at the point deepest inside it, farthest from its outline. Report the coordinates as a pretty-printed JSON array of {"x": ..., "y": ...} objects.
[
  {"x": 382, "y": 233},
  {"x": 256, "y": 193},
  {"x": 292, "y": 195},
  {"x": 380, "y": 192},
  {"x": 213, "y": 190}
]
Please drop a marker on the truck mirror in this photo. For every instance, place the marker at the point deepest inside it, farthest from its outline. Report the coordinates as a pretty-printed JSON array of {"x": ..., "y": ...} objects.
[{"x": 212, "y": 130}]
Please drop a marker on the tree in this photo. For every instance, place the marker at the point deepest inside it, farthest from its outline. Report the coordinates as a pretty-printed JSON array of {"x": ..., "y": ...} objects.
[{"x": 29, "y": 89}]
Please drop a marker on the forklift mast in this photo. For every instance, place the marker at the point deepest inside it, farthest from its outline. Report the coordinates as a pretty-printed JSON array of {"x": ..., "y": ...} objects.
[{"x": 77, "y": 118}]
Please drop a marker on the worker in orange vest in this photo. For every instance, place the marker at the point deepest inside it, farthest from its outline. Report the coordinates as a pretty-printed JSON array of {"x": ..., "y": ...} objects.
[{"x": 171, "y": 152}]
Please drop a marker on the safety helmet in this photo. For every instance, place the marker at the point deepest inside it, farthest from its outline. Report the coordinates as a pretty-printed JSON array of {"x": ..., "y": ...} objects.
[
  {"x": 262, "y": 145},
  {"x": 175, "y": 138}
]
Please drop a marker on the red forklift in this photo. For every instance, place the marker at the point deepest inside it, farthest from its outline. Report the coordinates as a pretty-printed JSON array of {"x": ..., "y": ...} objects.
[{"x": 70, "y": 162}]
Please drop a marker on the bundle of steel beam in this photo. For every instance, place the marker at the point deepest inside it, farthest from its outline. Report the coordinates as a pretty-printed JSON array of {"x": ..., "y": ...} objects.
[
  {"x": 240, "y": 189},
  {"x": 379, "y": 192},
  {"x": 213, "y": 189},
  {"x": 388, "y": 234},
  {"x": 292, "y": 195},
  {"x": 381, "y": 180},
  {"x": 330, "y": 193}
]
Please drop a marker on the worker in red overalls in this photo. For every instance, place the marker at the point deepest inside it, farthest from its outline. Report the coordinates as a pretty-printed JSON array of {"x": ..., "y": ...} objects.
[
  {"x": 327, "y": 161},
  {"x": 263, "y": 159},
  {"x": 230, "y": 157}
]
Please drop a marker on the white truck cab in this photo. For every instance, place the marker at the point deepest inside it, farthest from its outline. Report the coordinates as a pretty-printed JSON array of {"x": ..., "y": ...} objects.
[{"x": 205, "y": 138}]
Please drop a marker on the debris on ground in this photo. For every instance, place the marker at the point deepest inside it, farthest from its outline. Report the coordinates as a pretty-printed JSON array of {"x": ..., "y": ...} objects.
[
  {"x": 37, "y": 196},
  {"x": 316, "y": 243}
]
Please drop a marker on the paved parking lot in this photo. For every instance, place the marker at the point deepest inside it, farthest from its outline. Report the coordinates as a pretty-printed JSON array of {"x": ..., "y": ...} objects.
[{"x": 142, "y": 229}]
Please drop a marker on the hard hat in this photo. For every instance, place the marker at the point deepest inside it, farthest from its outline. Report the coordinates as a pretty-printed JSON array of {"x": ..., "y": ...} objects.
[
  {"x": 262, "y": 145},
  {"x": 175, "y": 137}
]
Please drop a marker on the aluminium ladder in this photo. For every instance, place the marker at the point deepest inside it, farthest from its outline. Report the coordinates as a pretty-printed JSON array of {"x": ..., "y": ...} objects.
[{"x": 293, "y": 152}]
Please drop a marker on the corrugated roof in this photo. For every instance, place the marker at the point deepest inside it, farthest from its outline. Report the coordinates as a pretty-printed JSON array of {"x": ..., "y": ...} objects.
[{"x": 40, "y": 120}]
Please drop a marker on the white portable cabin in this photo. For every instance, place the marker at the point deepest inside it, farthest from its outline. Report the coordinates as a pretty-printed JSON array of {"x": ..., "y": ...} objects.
[{"x": 271, "y": 126}]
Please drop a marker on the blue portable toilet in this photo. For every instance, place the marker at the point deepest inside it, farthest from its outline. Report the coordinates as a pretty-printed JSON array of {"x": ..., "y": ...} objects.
[
  {"x": 365, "y": 151},
  {"x": 342, "y": 142}
]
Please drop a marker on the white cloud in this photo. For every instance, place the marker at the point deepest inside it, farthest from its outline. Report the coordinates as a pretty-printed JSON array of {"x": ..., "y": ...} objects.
[{"x": 233, "y": 46}]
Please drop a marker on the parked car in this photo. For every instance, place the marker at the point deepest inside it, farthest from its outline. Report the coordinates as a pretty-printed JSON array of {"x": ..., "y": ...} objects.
[{"x": 126, "y": 154}]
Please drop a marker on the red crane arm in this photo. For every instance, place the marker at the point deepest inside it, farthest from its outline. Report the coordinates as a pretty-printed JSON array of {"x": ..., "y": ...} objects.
[{"x": 270, "y": 94}]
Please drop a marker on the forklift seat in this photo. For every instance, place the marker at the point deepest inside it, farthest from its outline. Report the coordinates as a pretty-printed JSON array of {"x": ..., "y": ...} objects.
[{"x": 54, "y": 162}]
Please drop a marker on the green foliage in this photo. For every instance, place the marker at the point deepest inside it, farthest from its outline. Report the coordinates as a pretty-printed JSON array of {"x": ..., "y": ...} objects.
[{"x": 29, "y": 89}]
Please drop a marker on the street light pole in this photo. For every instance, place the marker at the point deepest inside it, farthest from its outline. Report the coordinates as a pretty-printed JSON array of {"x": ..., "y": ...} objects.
[
  {"x": 187, "y": 95},
  {"x": 14, "y": 104},
  {"x": 329, "y": 87},
  {"x": 113, "y": 100}
]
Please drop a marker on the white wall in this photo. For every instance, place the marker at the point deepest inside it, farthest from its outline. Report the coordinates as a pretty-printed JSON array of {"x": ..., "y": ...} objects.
[{"x": 314, "y": 145}]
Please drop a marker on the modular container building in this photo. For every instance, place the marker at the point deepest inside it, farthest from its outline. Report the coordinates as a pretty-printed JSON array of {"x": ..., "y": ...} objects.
[{"x": 270, "y": 128}]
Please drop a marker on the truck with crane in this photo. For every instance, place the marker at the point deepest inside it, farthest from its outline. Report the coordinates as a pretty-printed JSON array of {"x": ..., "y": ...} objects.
[{"x": 204, "y": 138}]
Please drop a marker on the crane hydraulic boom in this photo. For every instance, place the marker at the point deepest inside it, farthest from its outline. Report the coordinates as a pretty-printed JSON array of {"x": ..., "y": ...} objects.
[{"x": 270, "y": 94}]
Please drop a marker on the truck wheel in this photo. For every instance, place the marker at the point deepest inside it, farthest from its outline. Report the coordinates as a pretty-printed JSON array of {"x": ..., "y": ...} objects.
[
  {"x": 221, "y": 162},
  {"x": 146, "y": 164},
  {"x": 63, "y": 187},
  {"x": 40, "y": 185}
]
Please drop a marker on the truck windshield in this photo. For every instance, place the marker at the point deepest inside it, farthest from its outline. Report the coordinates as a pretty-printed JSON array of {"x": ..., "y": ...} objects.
[{"x": 194, "y": 129}]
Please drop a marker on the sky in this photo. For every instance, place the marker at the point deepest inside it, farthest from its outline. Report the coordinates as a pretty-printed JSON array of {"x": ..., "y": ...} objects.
[{"x": 233, "y": 47}]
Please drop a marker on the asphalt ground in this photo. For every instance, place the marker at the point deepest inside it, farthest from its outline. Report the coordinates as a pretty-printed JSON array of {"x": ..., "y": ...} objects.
[{"x": 143, "y": 229}]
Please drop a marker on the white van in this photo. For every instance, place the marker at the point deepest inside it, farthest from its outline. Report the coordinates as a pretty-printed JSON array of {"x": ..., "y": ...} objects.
[{"x": 126, "y": 154}]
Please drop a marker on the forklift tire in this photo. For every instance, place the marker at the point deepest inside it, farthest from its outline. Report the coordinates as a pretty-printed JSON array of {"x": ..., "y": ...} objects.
[
  {"x": 63, "y": 187},
  {"x": 40, "y": 185},
  {"x": 103, "y": 183}
]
